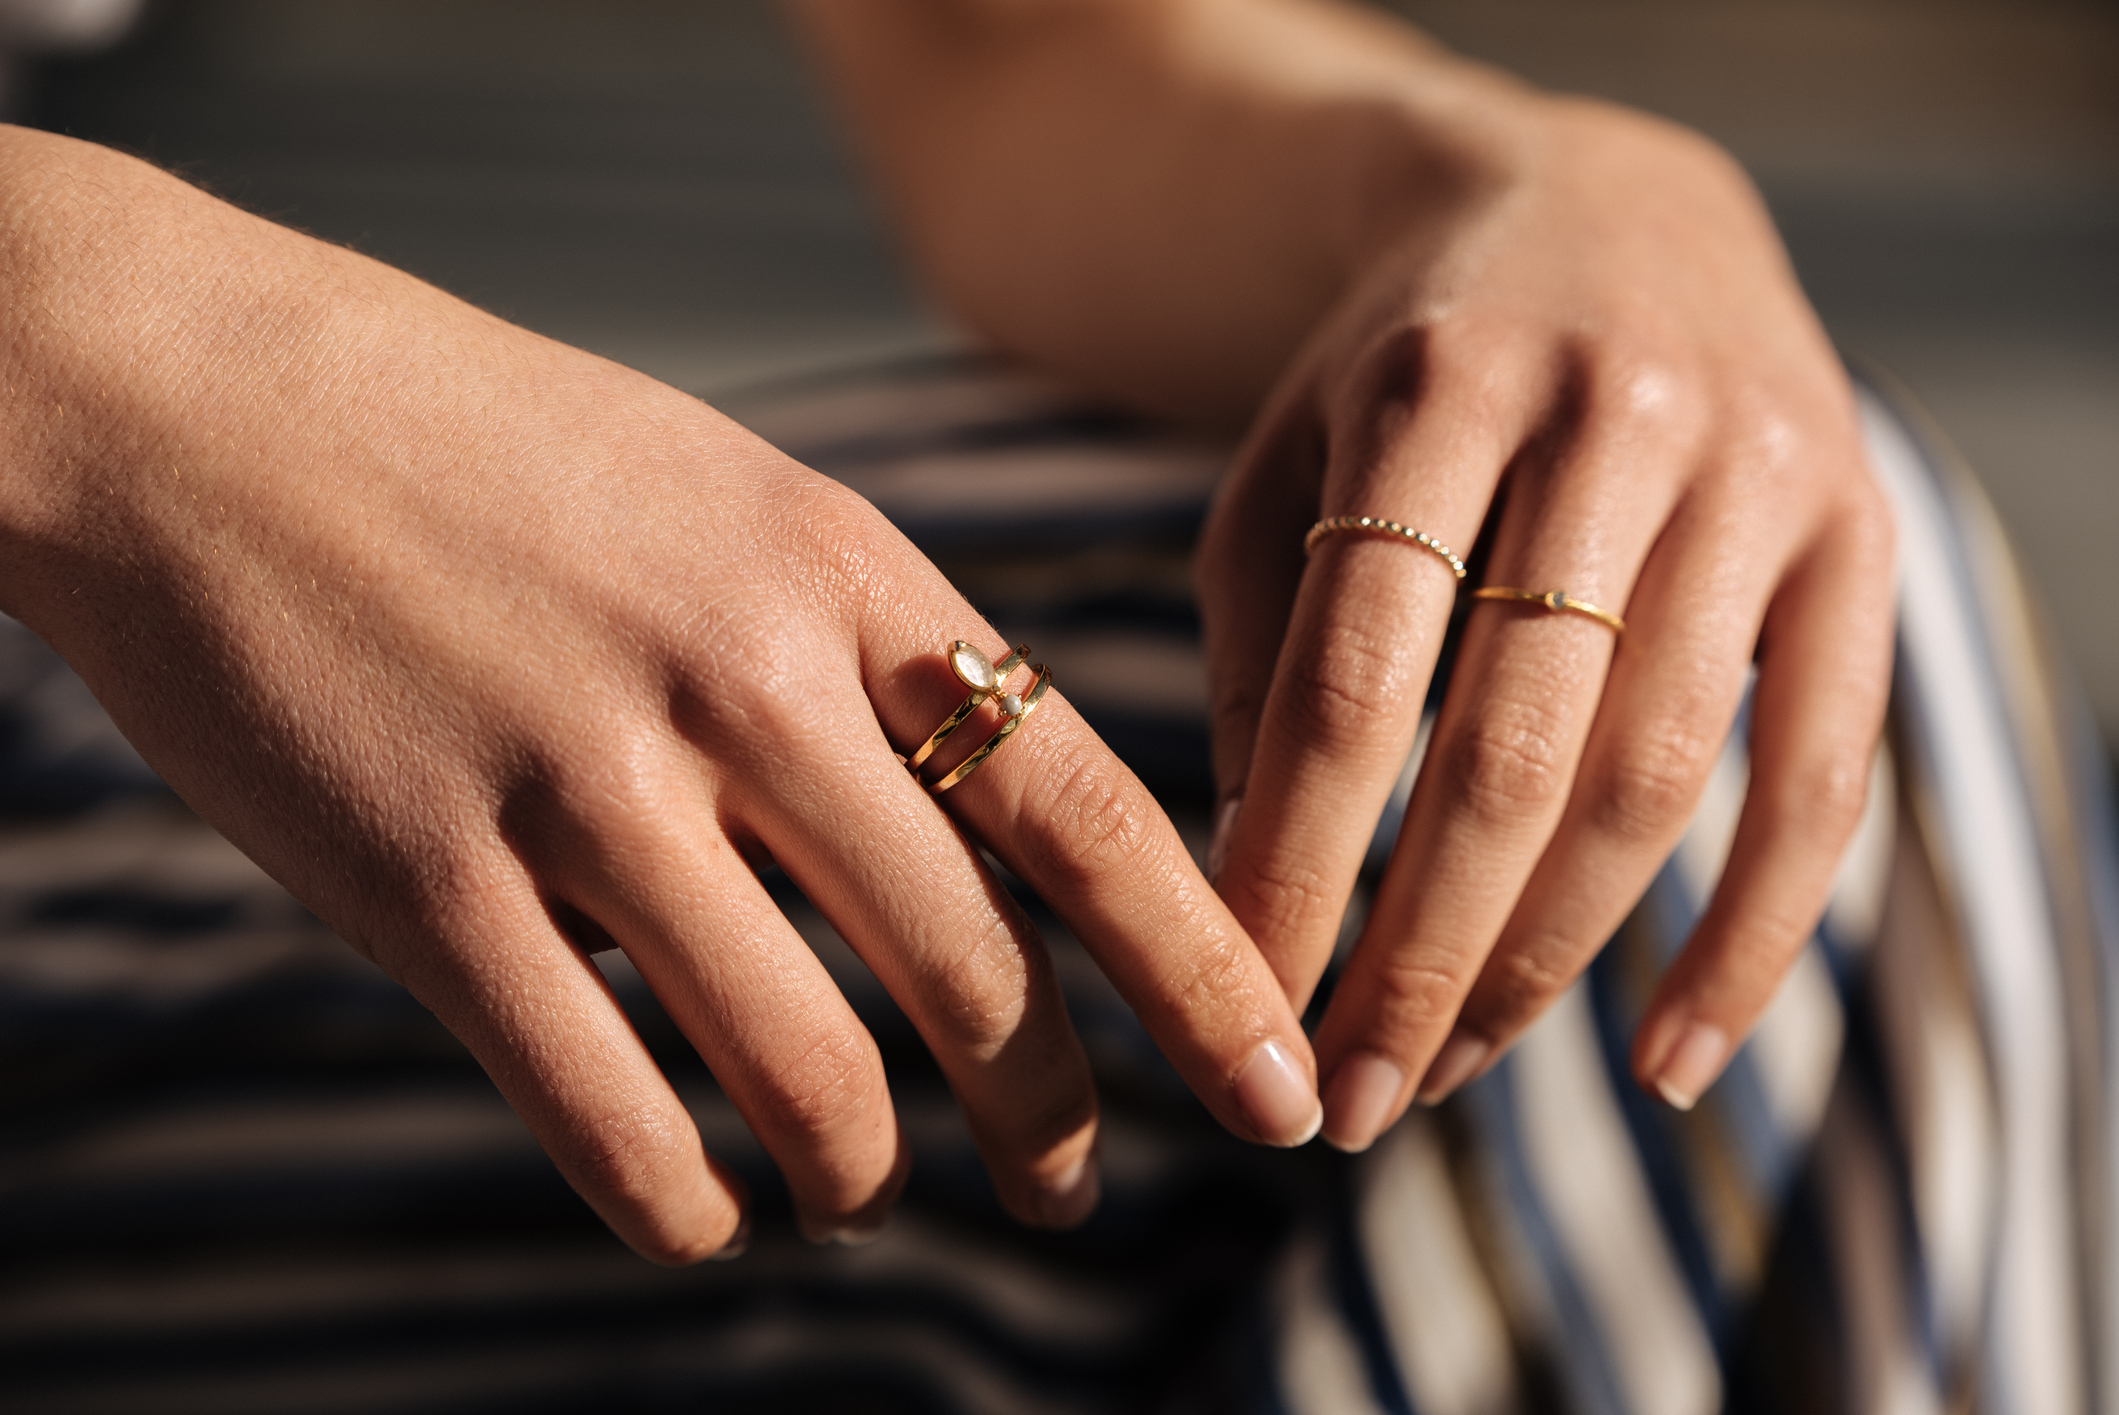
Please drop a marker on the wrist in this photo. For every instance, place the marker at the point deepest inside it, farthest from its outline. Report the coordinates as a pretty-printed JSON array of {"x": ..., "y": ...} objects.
[
  {"x": 141, "y": 322},
  {"x": 1439, "y": 138}
]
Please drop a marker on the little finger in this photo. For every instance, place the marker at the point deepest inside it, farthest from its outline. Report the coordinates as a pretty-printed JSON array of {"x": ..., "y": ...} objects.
[
  {"x": 662, "y": 878},
  {"x": 1823, "y": 680}
]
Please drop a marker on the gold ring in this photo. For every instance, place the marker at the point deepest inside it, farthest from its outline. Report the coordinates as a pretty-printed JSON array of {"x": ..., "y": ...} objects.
[
  {"x": 1376, "y": 525},
  {"x": 1016, "y": 712},
  {"x": 1556, "y": 600},
  {"x": 982, "y": 676},
  {"x": 986, "y": 679}
]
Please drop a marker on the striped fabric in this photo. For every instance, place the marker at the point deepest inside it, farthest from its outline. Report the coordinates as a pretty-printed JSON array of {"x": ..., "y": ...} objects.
[{"x": 239, "y": 1171}]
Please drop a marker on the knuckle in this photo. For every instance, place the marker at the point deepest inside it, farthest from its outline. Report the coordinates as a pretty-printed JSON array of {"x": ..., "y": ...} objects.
[
  {"x": 1824, "y": 799},
  {"x": 1206, "y": 978},
  {"x": 1285, "y": 896},
  {"x": 1508, "y": 767},
  {"x": 751, "y": 707},
  {"x": 1520, "y": 983},
  {"x": 1749, "y": 961},
  {"x": 1391, "y": 371},
  {"x": 1336, "y": 689},
  {"x": 1417, "y": 996},
  {"x": 1648, "y": 787},
  {"x": 634, "y": 1161},
  {"x": 826, "y": 1093},
  {"x": 623, "y": 777},
  {"x": 1652, "y": 392},
  {"x": 1093, "y": 823},
  {"x": 983, "y": 990}
]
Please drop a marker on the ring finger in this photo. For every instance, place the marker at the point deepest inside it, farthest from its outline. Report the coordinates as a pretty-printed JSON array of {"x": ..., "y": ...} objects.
[{"x": 912, "y": 897}]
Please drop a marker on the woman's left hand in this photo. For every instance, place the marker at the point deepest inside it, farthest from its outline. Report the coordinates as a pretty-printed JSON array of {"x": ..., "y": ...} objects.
[{"x": 1594, "y": 350}]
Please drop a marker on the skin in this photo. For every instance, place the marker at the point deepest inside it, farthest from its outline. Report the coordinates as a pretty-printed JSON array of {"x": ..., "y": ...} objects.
[
  {"x": 1559, "y": 331},
  {"x": 496, "y": 654}
]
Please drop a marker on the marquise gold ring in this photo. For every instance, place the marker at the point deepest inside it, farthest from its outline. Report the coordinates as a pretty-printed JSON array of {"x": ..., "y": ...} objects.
[{"x": 986, "y": 680}]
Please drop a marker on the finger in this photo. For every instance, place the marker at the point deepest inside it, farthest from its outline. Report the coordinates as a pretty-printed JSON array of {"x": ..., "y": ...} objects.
[
  {"x": 544, "y": 1024},
  {"x": 1666, "y": 709},
  {"x": 1059, "y": 810},
  {"x": 641, "y": 854},
  {"x": 1501, "y": 763},
  {"x": 1350, "y": 679},
  {"x": 1816, "y": 712},
  {"x": 913, "y": 899},
  {"x": 1247, "y": 571}
]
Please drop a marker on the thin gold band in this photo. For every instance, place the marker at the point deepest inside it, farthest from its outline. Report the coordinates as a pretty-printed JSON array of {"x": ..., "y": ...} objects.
[
  {"x": 1555, "y": 600},
  {"x": 1377, "y": 526},
  {"x": 1015, "y": 720},
  {"x": 955, "y": 720}
]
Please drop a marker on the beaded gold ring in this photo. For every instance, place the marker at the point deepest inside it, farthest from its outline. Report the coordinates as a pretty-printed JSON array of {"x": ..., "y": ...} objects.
[{"x": 1377, "y": 526}]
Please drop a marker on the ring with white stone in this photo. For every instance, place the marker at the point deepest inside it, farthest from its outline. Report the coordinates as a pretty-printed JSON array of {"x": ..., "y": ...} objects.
[
  {"x": 982, "y": 676},
  {"x": 1017, "y": 711}
]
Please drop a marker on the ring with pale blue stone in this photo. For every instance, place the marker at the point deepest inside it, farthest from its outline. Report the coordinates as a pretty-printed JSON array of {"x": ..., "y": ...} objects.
[
  {"x": 986, "y": 679},
  {"x": 1554, "y": 600}
]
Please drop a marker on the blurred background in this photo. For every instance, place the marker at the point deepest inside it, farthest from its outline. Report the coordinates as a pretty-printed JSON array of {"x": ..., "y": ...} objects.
[{"x": 660, "y": 181}]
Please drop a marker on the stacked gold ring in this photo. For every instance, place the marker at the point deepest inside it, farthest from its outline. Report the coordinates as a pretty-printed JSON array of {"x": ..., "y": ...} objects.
[
  {"x": 1554, "y": 600},
  {"x": 986, "y": 679}
]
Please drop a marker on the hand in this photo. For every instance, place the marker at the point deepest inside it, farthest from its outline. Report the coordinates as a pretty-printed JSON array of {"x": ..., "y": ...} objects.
[
  {"x": 1591, "y": 346},
  {"x": 495, "y": 653}
]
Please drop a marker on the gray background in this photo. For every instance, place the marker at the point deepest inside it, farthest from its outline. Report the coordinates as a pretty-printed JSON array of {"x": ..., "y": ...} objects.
[{"x": 661, "y": 182}]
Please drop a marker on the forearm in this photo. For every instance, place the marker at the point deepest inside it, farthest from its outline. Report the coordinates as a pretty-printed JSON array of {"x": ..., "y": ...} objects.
[
  {"x": 1158, "y": 197},
  {"x": 125, "y": 295}
]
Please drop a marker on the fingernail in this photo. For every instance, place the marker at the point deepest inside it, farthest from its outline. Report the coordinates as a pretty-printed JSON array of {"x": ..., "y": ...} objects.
[
  {"x": 1067, "y": 1200},
  {"x": 856, "y": 1237},
  {"x": 1692, "y": 1065},
  {"x": 737, "y": 1242},
  {"x": 1361, "y": 1100},
  {"x": 1458, "y": 1061},
  {"x": 1276, "y": 1098},
  {"x": 845, "y": 1235},
  {"x": 1218, "y": 843}
]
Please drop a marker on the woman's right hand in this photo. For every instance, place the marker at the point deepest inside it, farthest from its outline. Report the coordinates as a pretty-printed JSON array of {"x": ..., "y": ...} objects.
[{"x": 495, "y": 653}]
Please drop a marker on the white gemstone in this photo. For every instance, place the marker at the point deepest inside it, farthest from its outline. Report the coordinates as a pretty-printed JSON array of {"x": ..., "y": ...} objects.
[
  {"x": 973, "y": 669},
  {"x": 1009, "y": 704}
]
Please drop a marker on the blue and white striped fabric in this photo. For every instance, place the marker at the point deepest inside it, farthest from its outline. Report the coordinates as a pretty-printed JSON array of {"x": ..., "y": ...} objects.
[
  {"x": 240, "y": 1171},
  {"x": 1900, "y": 1197}
]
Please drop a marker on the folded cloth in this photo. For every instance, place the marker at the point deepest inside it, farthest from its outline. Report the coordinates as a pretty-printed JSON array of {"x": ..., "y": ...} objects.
[{"x": 240, "y": 1170}]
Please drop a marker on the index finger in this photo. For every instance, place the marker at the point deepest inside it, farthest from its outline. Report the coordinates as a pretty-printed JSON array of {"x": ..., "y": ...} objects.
[{"x": 1337, "y": 717}]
